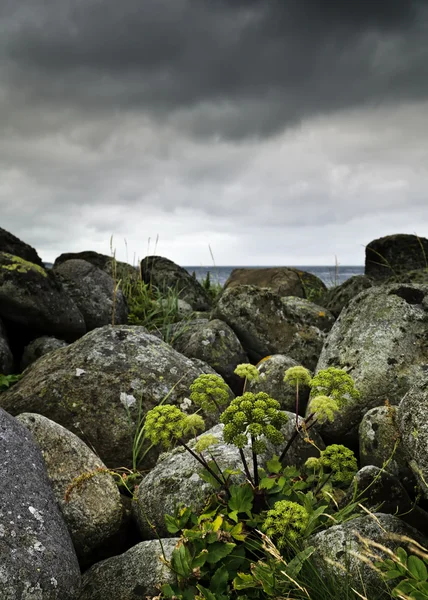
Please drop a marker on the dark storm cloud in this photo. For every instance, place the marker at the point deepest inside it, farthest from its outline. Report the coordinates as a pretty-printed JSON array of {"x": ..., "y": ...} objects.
[{"x": 215, "y": 67}]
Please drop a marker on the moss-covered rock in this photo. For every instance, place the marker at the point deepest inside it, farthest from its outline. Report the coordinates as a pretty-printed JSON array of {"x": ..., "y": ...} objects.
[
  {"x": 265, "y": 326},
  {"x": 34, "y": 299},
  {"x": 6, "y": 357},
  {"x": 215, "y": 343},
  {"x": 165, "y": 275},
  {"x": 395, "y": 254},
  {"x": 412, "y": 416},
  {"x": 101, "y": 261},
  {"x": 92, "y": 510},
  {"x": 94, "y": 293},
  {"x": 133, "y": 575},
  {"x": 380, "y": 339},
  {"x": 418, "y": 276},
  {"x": 97, "y": 387},
  {"x": 38, "y": 347},
  {"x": 308, "y": 313},
  {"x": 13, "y": 245},
  {"x": 285, "y": 281},
  {"x": 336, "y": 298}
]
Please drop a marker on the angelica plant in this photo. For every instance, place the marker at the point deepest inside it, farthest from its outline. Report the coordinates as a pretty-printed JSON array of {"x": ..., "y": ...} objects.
[
  {"x": 248, "y": 372},
  {"x": 337, "y": 462},
  {"x": 297, "y": 376},
  {"x": 254, "y": 416},
  {"x": 210, "y": 392},
  {"x": 286, "y": 522}
]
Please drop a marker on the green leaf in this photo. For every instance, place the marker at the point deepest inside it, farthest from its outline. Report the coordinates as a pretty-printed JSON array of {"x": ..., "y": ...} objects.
[
  {"x": 401, "y": 555},
  {"x": 206, "y": 593},
  {"x": 181, "y": 561},
  {"x": 263, "y": 573},
  {"x": 274, "y": 465},
  {"x": 219, "y": 550},
  {"x": 417, "y": 568},
  {"x": 235, "y": 559},
  {"x": 241, "y": 498},
  {"x": 200, "y": 559},
  {"x": 294, "y": 566},
  {"x": 267, "y": 483},
  {"x": 219, "y": 580},
  {"x": 171, "y": 524},
  {"x": 168, "y": 591},
  {"x": 404, "y": 587},
  {"x": 233, "y": 515},
  {"x": 392, "y": 574},
  {"x": 243, "y": 581}
]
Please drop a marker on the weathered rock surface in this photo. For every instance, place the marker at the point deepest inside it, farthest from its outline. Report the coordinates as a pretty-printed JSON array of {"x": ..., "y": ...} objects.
[
  {"x": 94, "y": 387},
  {"x": 136, "y": 574},
  {"x": 13, "y": 245},
  {"x": 395, "y": 254},
  {"x": 6, "y": 356},
  {"x": 381, "y": 491},
  {"x": 336, "y": 298},
  {"x": 93, "y": 292},
  {"x": 306, "y": 312},
  {"x": 38, "y": 347},
  {"x": 380, "y": 339},
  {"x": 37, "y": 559},
  {"x": 215, "y": 343},
  {"x": 33, "y": 298},
  {"x": 338, "y": 549},
  {"x": 101, "y": 261},
  {"x": 285, "y": 281},
  {"x": 378, "y": 437},
  {"x": 92, "y": 509},
  {"x": 265, "y": 326},
  {"x": 413, "y": 425},
  {"x": 418, "y": 276},
  {"x": 272, "y": 371},
  {"x": 164, "y": 274}
]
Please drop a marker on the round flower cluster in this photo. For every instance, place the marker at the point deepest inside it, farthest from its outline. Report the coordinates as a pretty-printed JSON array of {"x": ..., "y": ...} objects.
[
  {"x": 166, "y": 423},
  {"x": 286, "y": 522},
  {"x": 297, "y": 375},
  {"x": 341, "y": 461},
  {"x": 257, "y": 415},
  {"x": 247, "y": 371},
  {"x": 324, "y": 408},
  {"x": 209, "y": 392},
  {"x": 335, "y": 383}
]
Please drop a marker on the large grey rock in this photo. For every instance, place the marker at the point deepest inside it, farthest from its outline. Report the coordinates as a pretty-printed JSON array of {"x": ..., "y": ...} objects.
[
  {"x": 92, "y": 509},
  {"x": 395, "y": 254},
  {"x": 93, "y": 291},
  {"x": 175, "y": 480},
  {"x": 380, "y": 443},
  {"x": 412, "y": 416},
  {"x": 285, "y": 281},
  {"x": 165, "y": 275},
  {"x": 13, "y": 245},
  {"x": 102, "y": 261},
  {"x": 336, "y": 298},
  {"x": 271, "y": 381},
  {"x": 308, "y": 313},
  {"x": 33, "y": 298},
  {"x": 38, "y": 347},
  {"x": 136, "y": 574},
  {"x": 378, "y": 490},
  {"x": 6, "y": 356},
  {"x": 98, "y": 386},
  {"x": 215, "y": 343},
  {"x": 264, "y": 325},
  {"x": 418, "y": 276},
  {"x": 340, "y": 552},
  {"x": 380, "y": 339},
  {"x": 37, "y": 559}
]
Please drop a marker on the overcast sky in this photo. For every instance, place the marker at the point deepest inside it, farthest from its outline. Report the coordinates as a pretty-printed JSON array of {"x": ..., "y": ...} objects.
[{"x": 276, "y": 131}]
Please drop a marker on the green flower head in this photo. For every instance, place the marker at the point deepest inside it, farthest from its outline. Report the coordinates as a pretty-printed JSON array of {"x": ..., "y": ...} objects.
[
  {"x": 297, "y": 375},
  {"x": 193, "y": 424},
  {"x": 325, "y": 408},
  {"x": 341, "y": 462},
  {"x": 209, "y": 392},
  {"x": 335, "y": 383},
  {"x": 247, "y": 371},
  {"x": 164, "y": 424},
  {"x": 286, "y": 522},
  {"x": 205, "y": 442},
  {"x": 255, "y": 415}
]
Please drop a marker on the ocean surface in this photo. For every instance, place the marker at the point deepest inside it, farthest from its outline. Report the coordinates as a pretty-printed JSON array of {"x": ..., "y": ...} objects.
[{"x": 330, "y": 275}]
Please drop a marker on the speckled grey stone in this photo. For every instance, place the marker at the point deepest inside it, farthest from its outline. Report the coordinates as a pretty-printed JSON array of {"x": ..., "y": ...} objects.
[
  {"x": 37, "y": 558},
  {"x": 308, "y": 313},
  {"x": 339, "y": 547},
  {"x": 264, "y": 326},
  {"x": 93, "y": 512},
  {"x": 336, "y": 298},
  {"x": 38, "y": 347},
  {"x": 93, "y": 292},
  {"x": 412, "y": 419},
  {"x": 134, "y": 575},
  {"x": 380, "y": 339},
  {"x": 95, "y": 387}
]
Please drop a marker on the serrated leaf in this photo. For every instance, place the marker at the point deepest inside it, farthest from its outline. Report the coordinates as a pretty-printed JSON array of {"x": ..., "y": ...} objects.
[
  {"x": 243, "y": 581},
  {"x": 200, "y": 559},
  {"x": 171, "y": 524},
  {"x": 241, "y": 498},
  {"x": 206, "y": 593},
  {"x": 181, "y": 561},
  {"x": 219, "y": 580},
  {"x": 417, "y": 568},
  {"x": 236, "y": 532},
  {"x": 219, "y": 550},
  {"x": 168, "y": 591},
  {"x": 233, "y": 515},
  {"x": 267, "y": 483},
  {"x": 274, "y": 465}
]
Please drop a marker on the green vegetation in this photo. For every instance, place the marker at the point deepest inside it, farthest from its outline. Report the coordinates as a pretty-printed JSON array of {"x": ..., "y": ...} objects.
[{"x": 7, "y": 380}]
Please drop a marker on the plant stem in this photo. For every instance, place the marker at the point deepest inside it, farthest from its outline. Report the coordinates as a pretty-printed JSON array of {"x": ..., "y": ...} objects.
[
  {"x": 255, "y": 467},
  {"x": 202, "y": 461},
  {"x": 297, "y": 404},
  {"x": 295, "y": 434},
  {"x": 219, "y": 470},
  {"x": 246, "y": 469},
  {"x": 321, "y": 485}
]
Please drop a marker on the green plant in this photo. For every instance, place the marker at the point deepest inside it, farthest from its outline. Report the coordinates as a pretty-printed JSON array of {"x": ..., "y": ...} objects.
[
  {"x": 407, "y": 574},
  {"x": 7, "y": 380}
]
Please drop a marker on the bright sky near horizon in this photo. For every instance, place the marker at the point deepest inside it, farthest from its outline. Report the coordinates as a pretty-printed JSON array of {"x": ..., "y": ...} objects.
[{"x": 273, "y": 132}]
